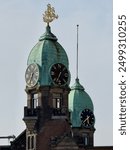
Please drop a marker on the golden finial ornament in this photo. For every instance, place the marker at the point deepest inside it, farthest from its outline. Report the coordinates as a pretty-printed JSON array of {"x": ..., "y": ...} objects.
[{"x": 49, "y": 14}]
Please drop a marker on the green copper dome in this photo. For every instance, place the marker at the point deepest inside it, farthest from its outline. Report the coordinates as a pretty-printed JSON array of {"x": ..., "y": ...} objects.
[
  {"x": 46, "y": 53},
  {"x": 78, "y": 101}
]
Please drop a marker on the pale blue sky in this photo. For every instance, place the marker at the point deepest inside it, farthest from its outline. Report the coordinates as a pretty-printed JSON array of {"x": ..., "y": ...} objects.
[{"x": 21, "y": 26}]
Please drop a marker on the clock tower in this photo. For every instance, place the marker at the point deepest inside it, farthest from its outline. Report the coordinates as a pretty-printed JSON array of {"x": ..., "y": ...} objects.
[
  {"x": 47, "y": 86},
  {"x": 56, "y": 116}
]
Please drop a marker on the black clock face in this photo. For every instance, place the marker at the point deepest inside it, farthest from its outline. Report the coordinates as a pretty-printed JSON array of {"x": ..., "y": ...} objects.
[
  {"x": 87, "y": 118},
  {"x": 59, "y": 74},
  {"x": 32, "y": 75}
]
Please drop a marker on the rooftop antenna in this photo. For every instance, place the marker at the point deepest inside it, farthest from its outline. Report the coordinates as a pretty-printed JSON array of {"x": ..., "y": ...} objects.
[{"x": 77, "y": 53}]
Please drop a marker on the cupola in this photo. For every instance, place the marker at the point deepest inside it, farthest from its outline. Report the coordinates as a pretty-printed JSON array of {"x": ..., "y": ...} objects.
[{"x": 78, "y": 101}]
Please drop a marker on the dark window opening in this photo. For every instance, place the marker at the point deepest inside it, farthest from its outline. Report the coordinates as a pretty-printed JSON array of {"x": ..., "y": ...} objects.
[
  {"x": 31, "y": 142},
  {"x": 28, "y": 142}
]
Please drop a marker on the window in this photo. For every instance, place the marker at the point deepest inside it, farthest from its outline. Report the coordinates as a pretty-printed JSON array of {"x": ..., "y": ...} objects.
[
  {"x": 34, "y": 101},
  {"x": 28, "y": 142},
  {"x": 86, "y": 140},
  {"x": 57, "y": 100},
  {"x": 54, "y": 102},
  {"x": 31, "y": 142},
  {"x": 58, "y": 103}
]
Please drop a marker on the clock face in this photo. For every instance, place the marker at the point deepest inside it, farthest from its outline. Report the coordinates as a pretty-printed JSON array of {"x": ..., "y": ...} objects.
[
  {"x": 87, "y": 118},
  {"x": 32, "y": 75},
  {"x": 59, "y": 74}
]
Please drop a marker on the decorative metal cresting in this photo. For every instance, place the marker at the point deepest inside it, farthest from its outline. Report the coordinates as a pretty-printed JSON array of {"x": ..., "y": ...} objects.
[{"x": 49, "y": 14}]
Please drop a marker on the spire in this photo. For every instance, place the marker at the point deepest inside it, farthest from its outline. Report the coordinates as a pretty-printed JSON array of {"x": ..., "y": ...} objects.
[{"x": 77, "y": 54}]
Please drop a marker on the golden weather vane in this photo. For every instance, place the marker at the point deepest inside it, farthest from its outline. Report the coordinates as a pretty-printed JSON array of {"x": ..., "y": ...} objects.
[{"x": 49, "y": 14}]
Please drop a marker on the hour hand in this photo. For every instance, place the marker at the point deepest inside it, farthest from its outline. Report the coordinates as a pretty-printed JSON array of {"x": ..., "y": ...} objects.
[
  {"x": 87, "y": 119},
  {"x": 31, "y": 76}
]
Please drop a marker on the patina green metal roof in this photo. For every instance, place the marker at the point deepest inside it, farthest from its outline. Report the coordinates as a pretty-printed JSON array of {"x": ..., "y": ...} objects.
[
  {"x": 46, "y": 53},
  {"x": 78, "y": 101}
]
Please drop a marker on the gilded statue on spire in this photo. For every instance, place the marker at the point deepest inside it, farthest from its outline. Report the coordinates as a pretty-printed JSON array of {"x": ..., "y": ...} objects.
[{"x": 49, "y": 14}]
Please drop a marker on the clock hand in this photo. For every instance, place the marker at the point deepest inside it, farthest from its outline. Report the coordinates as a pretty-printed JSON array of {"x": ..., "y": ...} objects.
[
  {"x": 58, "y": 76},
  {"x": 87, "y": 119},
  {"x": 31, "y": 76}
]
